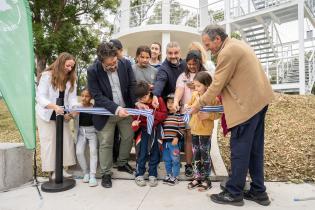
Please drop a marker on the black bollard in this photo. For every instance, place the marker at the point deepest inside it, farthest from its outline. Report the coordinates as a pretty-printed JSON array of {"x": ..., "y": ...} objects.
[{"x": 59, "y": 184}]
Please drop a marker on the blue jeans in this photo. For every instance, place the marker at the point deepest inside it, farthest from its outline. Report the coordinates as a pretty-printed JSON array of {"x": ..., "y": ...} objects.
[
  {"x": 247, "y": 154},
  {"x": 145, "y": 153},
  {"x": 171, "y": 158}
]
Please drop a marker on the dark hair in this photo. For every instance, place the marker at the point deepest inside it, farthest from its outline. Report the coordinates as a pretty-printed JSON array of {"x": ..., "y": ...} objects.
[
  {"x": 204, "y": 78},
  {"x": 214, "y": 30},
  {"x": 157, "y": 43},
  {"x": 143, "y": 48},
  {"x": 116, "y": 43},
  {"x": 142, "y": 88},
  {"x": 196, "y": 56},
  {"x": 106, "y": 50},
  {"x": 87, "y": 90}
]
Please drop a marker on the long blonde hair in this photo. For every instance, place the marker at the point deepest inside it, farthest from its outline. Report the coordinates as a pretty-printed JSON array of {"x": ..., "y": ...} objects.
[
  {"x": 198, "y": 46},
  {"x": 59, "y": 78}
]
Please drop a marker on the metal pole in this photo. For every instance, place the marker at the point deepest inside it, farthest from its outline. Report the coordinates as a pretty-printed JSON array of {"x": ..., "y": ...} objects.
[
  {"x": 59, "y": 184},
  {"x": 59, "y": 144}
]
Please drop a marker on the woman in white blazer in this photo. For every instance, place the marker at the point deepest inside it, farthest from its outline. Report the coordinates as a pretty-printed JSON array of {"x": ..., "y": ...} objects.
[{"x": 58, "y": 80}]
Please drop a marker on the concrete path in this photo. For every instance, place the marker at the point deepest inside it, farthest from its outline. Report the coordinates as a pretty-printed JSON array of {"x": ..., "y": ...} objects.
[{"x": 126, "y": 195}]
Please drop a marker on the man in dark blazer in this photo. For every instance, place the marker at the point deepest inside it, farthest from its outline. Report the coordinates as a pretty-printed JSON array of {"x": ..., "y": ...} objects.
[{"x": 110, "y": 82}]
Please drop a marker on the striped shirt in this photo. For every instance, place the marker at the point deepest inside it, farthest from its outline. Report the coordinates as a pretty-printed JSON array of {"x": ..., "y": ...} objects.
[{"x": 173, "y": 125}]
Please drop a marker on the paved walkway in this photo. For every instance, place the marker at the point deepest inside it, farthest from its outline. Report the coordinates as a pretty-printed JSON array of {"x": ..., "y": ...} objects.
[{"x": 126, "y": 195}]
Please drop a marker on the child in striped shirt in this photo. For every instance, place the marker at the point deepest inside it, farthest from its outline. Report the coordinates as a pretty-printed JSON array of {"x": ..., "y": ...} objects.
[{"x": 172, "y": 127}]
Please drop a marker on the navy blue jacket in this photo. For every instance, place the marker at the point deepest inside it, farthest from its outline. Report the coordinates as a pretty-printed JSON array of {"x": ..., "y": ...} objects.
[
  {"x": 101, "y": 91},
  {"x": 166, "y": 78}
]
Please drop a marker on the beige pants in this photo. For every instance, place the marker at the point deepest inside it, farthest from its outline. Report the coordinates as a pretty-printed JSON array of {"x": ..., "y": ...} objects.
[{"x": 47, "y": 137}]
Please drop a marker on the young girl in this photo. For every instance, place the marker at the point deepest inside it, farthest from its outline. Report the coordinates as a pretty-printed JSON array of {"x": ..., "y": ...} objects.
[
  {"x": 86, "y": 133},
  {"x": 183, "y": 93},
  {"x": 201, "y": 129}
]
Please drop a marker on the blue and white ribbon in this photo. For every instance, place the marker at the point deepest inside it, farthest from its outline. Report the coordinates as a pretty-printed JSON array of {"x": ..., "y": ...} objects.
[
  {"x": 102, "y": 111},
  {"x": 218, "y": 108}
]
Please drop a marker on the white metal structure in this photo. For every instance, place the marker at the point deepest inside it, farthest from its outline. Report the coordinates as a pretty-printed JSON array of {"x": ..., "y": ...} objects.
[{"x": 290, "y": 66}]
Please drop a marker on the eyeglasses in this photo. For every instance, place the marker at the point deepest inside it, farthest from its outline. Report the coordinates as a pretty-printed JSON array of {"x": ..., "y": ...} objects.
[{"x": 113, "y": 64}]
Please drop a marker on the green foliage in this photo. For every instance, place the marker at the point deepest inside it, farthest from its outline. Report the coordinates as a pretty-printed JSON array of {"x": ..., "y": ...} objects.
[
  {"x": 140, "y": 11},
  {"x": 236, "y": 35},
  {"x": 68, "y": 26}
]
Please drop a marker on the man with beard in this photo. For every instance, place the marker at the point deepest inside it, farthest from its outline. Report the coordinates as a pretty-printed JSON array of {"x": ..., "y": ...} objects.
[
  {"x": 111, "y": 84},
  {"x": 165, "y": 84}
]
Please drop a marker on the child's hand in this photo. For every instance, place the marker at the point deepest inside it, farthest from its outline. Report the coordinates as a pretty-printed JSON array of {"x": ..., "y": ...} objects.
[
  {"x": 175, "y": 141},
  {"x": 203, "y": 115},
  {"x": 74, "y": 114},
  {"x": 186, "y": 106},
  {"x": 135, "y": 123},
  {"x": 67, "y": 117}
]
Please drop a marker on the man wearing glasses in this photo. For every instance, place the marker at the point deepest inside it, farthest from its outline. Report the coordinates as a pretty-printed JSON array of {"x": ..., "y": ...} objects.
[{"x": 110, "y": 83}]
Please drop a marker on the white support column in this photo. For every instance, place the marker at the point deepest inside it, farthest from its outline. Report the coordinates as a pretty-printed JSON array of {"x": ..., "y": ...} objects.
[
  {"x": 203, "y": 14},
  {"x": 125, "y": 14},
  {"x": 166, "y": 38},
  {"x": 227, "y": 17},
  {"x": 301, "y": 47},
  {"x": 166, "y": 11}
]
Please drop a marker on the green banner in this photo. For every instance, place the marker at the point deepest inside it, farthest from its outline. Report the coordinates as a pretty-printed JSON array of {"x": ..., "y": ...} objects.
[{"x": 17, "y": 66}]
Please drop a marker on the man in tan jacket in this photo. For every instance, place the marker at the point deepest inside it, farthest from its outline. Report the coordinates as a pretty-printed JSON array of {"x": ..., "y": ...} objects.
[{"x": 246, "y": 93}]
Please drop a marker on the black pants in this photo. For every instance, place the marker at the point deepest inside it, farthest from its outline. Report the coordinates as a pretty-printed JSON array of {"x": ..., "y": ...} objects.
[{"x": 247, "y": 154}]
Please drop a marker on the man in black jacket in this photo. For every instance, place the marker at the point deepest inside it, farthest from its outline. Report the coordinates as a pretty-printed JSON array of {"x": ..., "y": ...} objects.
[
  {"x": 165, "y": 84},
  {"x": 111, "y": 83},
  {"x": 169, "y": 71}
]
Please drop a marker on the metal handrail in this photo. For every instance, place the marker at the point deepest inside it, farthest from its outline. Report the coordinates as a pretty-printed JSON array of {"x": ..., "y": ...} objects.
[
  {"x": 135, "y": 21},
  {"x": 311, "y": 71}
]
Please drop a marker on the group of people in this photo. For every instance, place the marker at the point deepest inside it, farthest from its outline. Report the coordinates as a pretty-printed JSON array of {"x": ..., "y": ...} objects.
[{"x": 170, "y": 88}]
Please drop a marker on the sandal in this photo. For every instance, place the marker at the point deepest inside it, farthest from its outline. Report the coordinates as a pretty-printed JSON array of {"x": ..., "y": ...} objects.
[
  {"x": 193, "y": 184},
  {"x": 204, "y": 186}
]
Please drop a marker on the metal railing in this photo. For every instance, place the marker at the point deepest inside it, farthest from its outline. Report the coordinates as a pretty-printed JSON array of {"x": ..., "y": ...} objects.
[
  {"x": 311, "y": 6},
  {"x": 251, "y": 6},
  {"x": 311, "y": 70},
  {"x": 150, "y": 14}
]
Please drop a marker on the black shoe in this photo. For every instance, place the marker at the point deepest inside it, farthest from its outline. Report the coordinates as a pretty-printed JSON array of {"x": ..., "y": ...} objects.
[
  {"x": 126, "y": 168},
  {"x": 260, "y": 198},
  {"x": 107, "y": 181},
  {"x": 189, "y": 171},
  {"x": 225, "y": 197}
]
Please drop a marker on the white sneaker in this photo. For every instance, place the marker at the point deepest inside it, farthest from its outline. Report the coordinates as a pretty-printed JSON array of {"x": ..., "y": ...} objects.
[
  {"x": 86, "y": 178},
  {"x": 92, "y": 182},
  {"x": 153, "y": 182},
  {"x": 65, "y": 175},
  {"x": 140, "y": 181}
]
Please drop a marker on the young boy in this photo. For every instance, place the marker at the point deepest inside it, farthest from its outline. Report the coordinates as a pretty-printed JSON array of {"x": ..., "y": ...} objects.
[
  {"x": 172, "y": 127},
  {"x": 148, "y": 147}
]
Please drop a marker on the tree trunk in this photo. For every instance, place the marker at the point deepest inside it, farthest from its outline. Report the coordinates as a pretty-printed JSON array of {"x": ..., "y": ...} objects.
[{"x": 40, "y": 65}]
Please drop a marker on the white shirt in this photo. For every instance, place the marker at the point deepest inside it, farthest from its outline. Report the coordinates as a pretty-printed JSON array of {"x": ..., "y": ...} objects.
[{"x": 46, "y": 94}]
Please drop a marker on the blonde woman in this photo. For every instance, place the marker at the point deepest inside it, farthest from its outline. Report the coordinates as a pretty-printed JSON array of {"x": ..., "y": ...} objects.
[{"x": 57, "y": 81}]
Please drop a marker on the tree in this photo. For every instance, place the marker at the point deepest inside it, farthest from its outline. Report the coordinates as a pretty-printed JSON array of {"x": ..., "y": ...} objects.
[
  {"x": 140, "y": 11},
  {"x": 178, "y": 15},
  {"x": 68, "y": 25}
]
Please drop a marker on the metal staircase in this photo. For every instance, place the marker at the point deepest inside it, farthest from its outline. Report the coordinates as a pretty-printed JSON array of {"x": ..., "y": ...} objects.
[
  {"x": 262, "y": 4},
  {"x": 259, "y": 39}
]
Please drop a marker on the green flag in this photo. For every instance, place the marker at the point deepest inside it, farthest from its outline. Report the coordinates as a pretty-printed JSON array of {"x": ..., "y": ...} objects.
[{"x": 17, "y": 66}]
